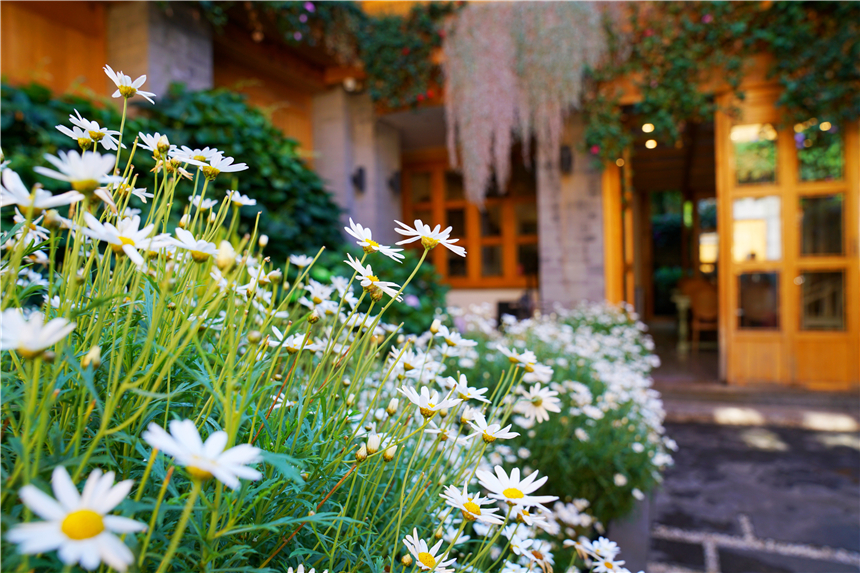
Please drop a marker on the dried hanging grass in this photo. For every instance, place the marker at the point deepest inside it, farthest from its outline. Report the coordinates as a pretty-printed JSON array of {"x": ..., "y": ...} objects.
[{"x": 514, "y": 69}]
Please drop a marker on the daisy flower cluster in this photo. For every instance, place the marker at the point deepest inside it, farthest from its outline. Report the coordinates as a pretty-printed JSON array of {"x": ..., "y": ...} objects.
[{"x": 176, "y": 399}]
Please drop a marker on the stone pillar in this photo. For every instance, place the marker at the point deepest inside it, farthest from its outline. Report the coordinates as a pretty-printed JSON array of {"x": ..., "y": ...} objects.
[
  {"x": 168, "y": 45},
  {"x": 570, "y": 217},
  {"x": 348, "y": 136}
]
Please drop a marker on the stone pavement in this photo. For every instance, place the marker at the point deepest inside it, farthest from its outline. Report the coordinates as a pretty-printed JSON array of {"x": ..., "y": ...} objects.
[{"x": 758, "y": 499}]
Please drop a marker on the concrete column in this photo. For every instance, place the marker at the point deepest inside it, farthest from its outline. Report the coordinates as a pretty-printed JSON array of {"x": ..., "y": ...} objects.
[
  {"x": 168, "y": 45},
  {"x": 570, "y": 218},
  {"x": 348, "y": 136}
]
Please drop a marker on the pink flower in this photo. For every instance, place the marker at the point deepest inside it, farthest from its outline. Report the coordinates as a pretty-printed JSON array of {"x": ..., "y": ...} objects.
[
  {"x": 595, "y": 149},
  {"x": 707, "y": 19},
  {"x": 297, "y": 36},
  {"x": 309, "y": 6}
]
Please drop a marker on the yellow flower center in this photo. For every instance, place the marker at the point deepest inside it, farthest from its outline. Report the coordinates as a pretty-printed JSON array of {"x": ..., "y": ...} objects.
[
  {"x": 85, "y": 186},
  {"x": 537, "y": 401},
  {"x": 126, "y": 241},
  {"x": 427, "y": 560},
  {"x": 513, "y": 493},
  {"x": 538, "y": 555},
  {"x": 428, "y": 243},
  {"x": 428, "y": 411},
  {"x": 513, "y": 359},
  {"x": 210, "y": 172},
  {"x": 96, "y": 135},
  {"x": 530, "y": 368},
  {"x": 198, "y": 473},
  {"x": 85, "y": 143},
  {"x": 28, "y": 353},
  {"x": 317, "y": 300},
  {"x": 608, "y": 565},
  {"x": 127, "y": 91},
  {"x": 199, "y": 158},
  {"x": 488, "y": 438},
  {"x": 450, "y": 342},
  {"x": 522, "y": 515},
  {"x": 82, "y": 524},
  {"x": 472, "y": 507},
  {"x": 373, "y": 278},
  {"x": 199, "y": 256}
]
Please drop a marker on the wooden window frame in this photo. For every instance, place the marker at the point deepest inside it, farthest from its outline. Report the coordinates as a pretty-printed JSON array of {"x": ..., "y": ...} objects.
[{"x": 509, "y": 240}]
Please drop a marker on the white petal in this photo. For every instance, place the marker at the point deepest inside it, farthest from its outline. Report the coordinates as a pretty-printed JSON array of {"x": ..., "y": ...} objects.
[
  {"x": 41, "y": 503},
  {"x": 114, "y": 552},
  {"x": 119, "y": 524},
  {"x": 64, "y": 490}
]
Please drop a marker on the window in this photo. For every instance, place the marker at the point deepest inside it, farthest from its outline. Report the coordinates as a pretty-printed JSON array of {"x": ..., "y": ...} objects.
[{"x": 500, "y": 237}]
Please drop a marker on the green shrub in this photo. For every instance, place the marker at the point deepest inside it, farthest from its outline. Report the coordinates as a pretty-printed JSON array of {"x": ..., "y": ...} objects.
[{"x": 296, "y": 211}]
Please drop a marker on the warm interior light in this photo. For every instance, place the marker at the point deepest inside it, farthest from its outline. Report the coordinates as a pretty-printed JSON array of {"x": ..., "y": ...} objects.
[
  {"x": 648, "y": 127},
  {"x": 825, "y": 126},
  {"x": 651, "y": 143},
  {"x": 619, "y": 162}
]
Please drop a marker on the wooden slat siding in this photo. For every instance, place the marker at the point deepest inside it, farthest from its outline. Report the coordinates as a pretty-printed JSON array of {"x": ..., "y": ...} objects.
[
  {"x": 58, "y": 44},
  {"x": 288, "y": 106}
]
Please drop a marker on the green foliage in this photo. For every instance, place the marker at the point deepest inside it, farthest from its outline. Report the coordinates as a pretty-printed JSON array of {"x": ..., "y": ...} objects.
[
  {"x": 296, "y": 211},
  {"x": 678, "y": 46},
  {"x": 394, "y": 51},
  {"x": 421, "y": 298}
]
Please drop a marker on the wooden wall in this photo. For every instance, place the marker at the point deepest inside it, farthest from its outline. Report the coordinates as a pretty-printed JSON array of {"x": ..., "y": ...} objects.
[
  {"x": 286, "y": 103},
  {"x": 58, "y": 44}
]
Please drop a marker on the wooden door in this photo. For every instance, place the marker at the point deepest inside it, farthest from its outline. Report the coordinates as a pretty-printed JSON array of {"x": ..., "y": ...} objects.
[{"x": 789, "y": 263}]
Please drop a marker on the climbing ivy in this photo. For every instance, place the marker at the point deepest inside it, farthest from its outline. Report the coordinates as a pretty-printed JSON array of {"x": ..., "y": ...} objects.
[{"x": 675, "y": 47}]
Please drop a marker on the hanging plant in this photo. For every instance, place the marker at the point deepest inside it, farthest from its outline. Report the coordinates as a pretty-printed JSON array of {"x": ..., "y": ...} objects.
[{"x": 514, "y": 70}]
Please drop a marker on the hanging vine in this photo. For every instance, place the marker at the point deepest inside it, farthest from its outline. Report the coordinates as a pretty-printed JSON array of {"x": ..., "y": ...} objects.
[{"x": 514, "y": 69}]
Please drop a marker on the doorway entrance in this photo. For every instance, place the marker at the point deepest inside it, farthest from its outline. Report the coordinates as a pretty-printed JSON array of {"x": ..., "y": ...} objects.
[{"x": 672, "y": 193}]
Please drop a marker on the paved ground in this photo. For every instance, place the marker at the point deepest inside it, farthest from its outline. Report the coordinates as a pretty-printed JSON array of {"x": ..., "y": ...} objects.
[{"x": 758, "y": 500}]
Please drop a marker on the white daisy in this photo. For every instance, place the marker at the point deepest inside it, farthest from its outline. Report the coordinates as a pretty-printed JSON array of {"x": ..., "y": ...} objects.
[
  {"x": 79, "y": 135},
  {"x": 318, "y": 294},
  {"x": 491, "y": 432},
  {"x": 140, "y": 193},
  {"x": 220, "y": 164},
  {"x": 240, "y": 200},
  {"x": 85, "y": 171},
  {"x": 301, "y": 261},
  {"x": 446, "y": 434},
  {"x": 519, "y": 358},
  {"x": 203, "y": 204},
  {"x": 453, "y": 339},
  {"x": 537, "y": 403},
  {"x": 462, "y": 389},
  {"x": 126, "y": 237},
  {"x": 30, "y": 336},
  {"x": 428, "y": 403},
  {"x": 370, "y": 281},
  {"x": 427, "y": 558},
  {"x": 157, "y": 143},
  {"x": 471, "y": 505},
  {"x": 96, "y": 133},
  {"x": 205, "y": 460},
  {"x": 364, "y": 238},
  {"x": 193, "y": 156},
  {"x": 199, "y": 249},
  {"x": 429, "y": 237},
  {"x": 127, "y": 88},
  {"x": 291, "y": 344},
  {"x": 511, "y": 489},
  {"x": 13, "y": 192},
  {"x": 31, "y": 232},
  {"x": 76, "y": 525}
]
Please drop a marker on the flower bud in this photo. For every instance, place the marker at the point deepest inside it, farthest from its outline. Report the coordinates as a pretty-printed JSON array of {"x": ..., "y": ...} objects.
[
  {"x": 443, "y": 412},
  {"x": 163, "y": 145},
  {"x": 53, "y": 220},
  {"x": 263, "y": 241},
  {"x": 212, "y": 217},
  {"x": 406, "y": 560},
  {"x": 346, "y": 382},
  {"x": 467, "y": 415},
  {"x": 314, "y": 316},
  {"x": 434, "y": 327},
  {"x": 438, "y": 533},
  {"x": 350, "y": 400},
  {"x": 226, "y": 257},
  {"x": 392, "y": 407},
  {"x": 373, "y": 444},
  {"x": 48, "y": 356},
  {"x": 92, "y": 358},
  {"x": 276, "y": 276},
  {"x": 388, "y": 454},
  {"x": 400, "y": 339},
  {"x": 375, "y": 292},
  {"x": 183, "y": 222},
  {"x": 80, "y": 278},
  {"x": 254, "y": 336},
  {"x": 361, "y": 454}
]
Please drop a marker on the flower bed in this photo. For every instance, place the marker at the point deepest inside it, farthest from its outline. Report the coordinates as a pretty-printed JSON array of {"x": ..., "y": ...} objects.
[{"x": 173, "y": 401}]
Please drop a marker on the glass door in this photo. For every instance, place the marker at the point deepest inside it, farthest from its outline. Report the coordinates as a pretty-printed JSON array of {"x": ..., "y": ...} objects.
[{"x": 787, "y": 198}]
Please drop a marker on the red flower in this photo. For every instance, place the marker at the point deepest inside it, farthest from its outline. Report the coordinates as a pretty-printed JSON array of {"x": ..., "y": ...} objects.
[
  {"x": 649, "y": 32},
  {"x": 420, "y": 97},
  {"x": 429, "y": 94},
  {"x": 405, "y": 51},
  {"x": 595, "y": 149}
]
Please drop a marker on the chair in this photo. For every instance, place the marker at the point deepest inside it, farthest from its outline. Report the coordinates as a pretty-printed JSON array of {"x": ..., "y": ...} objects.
[{"x": 704, "y": 301}]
